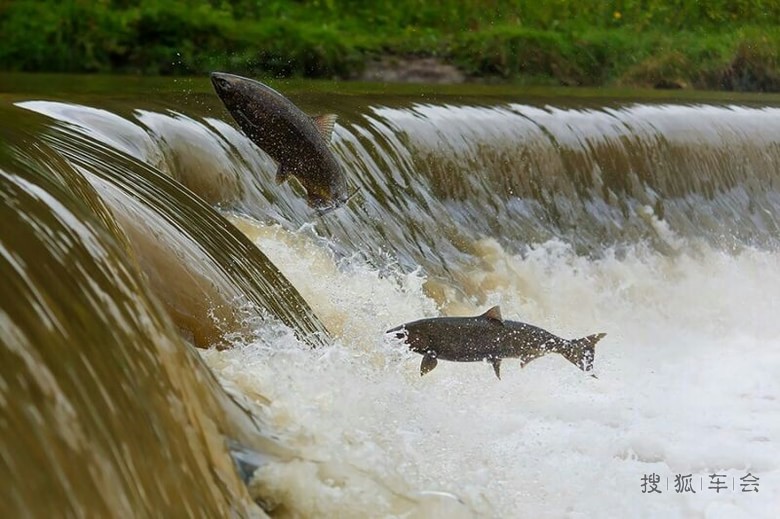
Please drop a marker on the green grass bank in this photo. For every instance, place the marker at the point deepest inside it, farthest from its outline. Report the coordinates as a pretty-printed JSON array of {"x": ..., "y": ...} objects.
[{"x": 718, "y": 44}]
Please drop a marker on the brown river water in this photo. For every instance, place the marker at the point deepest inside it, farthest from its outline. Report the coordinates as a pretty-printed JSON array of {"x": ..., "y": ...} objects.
[{"x": 137, "y": 222}]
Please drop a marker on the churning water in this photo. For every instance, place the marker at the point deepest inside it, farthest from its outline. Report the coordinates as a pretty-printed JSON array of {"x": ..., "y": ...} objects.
[{"x": 656, "y": 223}]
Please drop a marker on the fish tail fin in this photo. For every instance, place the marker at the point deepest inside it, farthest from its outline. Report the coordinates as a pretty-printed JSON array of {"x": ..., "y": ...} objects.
[{"x": 581, "y": 352}]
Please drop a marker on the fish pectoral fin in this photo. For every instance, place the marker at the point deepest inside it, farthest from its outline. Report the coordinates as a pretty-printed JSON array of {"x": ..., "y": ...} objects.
[
  {"x": 282, "y": 175},
  {"x": 324, "y": 124},
  {"x": 494, "y": 314},
  {"x": 428, "y": 363},
  {"x": 497, "y": 367}
]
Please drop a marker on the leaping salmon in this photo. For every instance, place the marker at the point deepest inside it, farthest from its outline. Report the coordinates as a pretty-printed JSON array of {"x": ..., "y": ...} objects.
[
  {"x": 297, "y": 142},
  {"x": 489, "y": 337}
]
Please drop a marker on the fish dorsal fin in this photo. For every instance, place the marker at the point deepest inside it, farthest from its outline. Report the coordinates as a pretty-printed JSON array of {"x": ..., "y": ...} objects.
[
  {"x": 494, "y": 314},
  {"x": 324, "y": 124},
  {"x": 282, "y": 174}
]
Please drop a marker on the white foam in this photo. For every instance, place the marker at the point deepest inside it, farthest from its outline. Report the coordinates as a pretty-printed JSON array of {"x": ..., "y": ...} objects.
[{"x": 689, "y": 382}]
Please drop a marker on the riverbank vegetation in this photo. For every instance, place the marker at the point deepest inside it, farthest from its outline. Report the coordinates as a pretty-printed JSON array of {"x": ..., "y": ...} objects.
[{"x": 715, "y": 44}]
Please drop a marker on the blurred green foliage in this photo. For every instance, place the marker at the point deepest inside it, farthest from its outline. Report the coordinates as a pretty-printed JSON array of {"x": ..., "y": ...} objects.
[{"x": 731, "y": 44}]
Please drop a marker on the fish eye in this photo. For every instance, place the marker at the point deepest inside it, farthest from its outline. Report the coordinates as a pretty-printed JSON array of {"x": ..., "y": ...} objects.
[
  {"x": 398, "y": 333},
  {"x": 220, "y": 81}
]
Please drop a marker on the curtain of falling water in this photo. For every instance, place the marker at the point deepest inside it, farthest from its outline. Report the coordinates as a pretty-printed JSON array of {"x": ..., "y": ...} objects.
[{"x": 104, "y": 412}]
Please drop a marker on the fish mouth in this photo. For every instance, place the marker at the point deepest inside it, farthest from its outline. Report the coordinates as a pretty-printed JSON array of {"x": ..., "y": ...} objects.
[
  {"x": 399, "y": 332},
  {"x": 325, "y": 206}
]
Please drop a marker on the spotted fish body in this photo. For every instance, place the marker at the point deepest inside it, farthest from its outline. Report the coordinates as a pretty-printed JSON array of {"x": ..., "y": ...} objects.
[
  {"x": 297, "y": 142},
  {"x": 489, "y": 337}
]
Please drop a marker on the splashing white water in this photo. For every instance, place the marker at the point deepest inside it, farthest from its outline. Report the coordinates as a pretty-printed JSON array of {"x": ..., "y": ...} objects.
[
  {"x": 688, "y": 384},
  {"x": 688, "y": 372}
]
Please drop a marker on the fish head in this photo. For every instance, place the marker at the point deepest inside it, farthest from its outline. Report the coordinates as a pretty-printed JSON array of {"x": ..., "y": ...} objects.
[
  {"x": 410, "y": 335},
  {"x": 320, "y": 200},
  {"x": 325, "y": 199},
  {"x": 241, "y": 96},
  {"x": 225, "y": 85}
]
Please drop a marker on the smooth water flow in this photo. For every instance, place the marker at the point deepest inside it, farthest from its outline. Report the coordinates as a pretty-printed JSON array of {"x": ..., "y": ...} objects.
[{"x": 656, "y": 222}]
